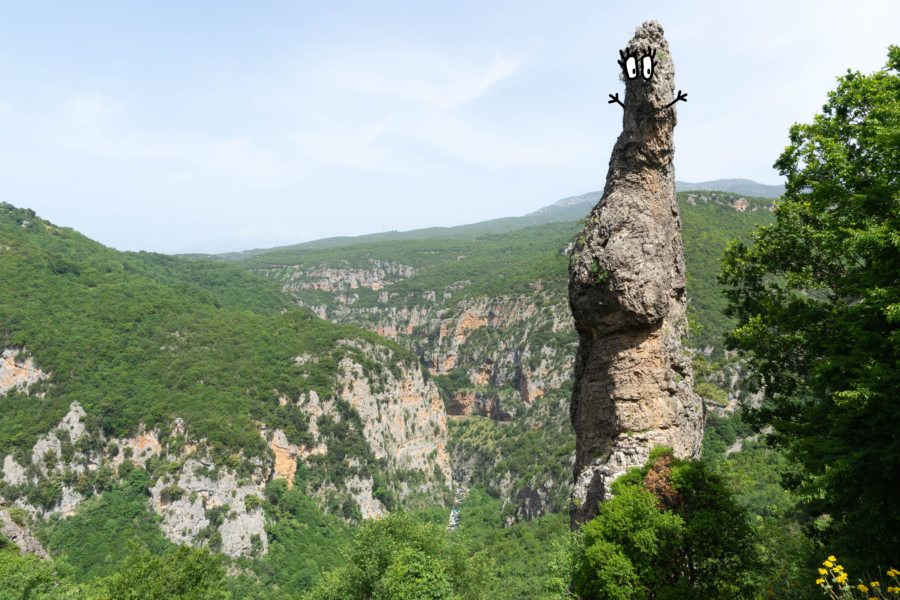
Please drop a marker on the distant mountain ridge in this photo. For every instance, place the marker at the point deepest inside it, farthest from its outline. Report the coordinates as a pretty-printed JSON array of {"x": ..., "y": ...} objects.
[
  {"x": 570, "y": 208},
  {"x": 736, "y": 186}
]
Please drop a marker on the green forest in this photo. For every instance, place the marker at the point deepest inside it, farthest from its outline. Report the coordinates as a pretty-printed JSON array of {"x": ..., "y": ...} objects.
[{"x": 797, "y": 497}]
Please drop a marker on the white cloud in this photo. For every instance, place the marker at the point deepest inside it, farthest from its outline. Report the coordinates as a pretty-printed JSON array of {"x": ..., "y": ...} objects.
[
  {"x": 409, "y": 111},
  {"x": 421, "y": 78},
  {"x": 480, "y": 144},
  {"x": 356, "y": 147},
  {"x": 94, "y": 124}
]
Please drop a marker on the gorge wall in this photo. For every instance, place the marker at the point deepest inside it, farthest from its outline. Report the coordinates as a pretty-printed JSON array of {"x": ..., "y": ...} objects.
[
  {"x": 633, "y": 386},
  {"x": 393, "y": 413}
]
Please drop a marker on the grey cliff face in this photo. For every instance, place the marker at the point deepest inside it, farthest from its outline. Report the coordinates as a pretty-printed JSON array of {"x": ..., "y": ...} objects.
[
  {"x": 20, "y": 535},
  {"x": 633, "y": 386}
]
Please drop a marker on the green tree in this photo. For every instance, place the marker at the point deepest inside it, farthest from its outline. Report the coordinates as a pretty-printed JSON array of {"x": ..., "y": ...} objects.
[
  {"x": 398, "y": 558},
  {"x": 183, "y": 574},
  {"x": 817, "y": 300},
  {"x": 673, "y": 531},
  {"x": 29, "y": 578}
]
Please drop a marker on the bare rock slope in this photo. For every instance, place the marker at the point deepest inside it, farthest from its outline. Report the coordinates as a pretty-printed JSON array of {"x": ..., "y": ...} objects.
[{"x": 633, "y": 382}]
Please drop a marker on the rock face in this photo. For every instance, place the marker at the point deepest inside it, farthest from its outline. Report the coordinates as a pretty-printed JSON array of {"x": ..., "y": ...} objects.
[
  {"x": 633, "y": 386},
  {"x": 20, "y": 535},
  {"x": 16, "y": 372},
  {"x": 207, "y": 502}
]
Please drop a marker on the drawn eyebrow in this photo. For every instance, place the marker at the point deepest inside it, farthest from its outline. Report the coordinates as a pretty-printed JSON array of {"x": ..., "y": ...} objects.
[
  {"x": 627, "y": 53},
  {"x": 625, "y": 56}
]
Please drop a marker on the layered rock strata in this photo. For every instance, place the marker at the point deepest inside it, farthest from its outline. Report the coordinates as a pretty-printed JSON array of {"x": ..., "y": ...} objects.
[{"x": 633, "y": 386}]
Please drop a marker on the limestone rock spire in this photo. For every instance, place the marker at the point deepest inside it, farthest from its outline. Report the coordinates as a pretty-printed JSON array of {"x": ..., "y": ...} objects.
[{"x": 633, "y": 385}]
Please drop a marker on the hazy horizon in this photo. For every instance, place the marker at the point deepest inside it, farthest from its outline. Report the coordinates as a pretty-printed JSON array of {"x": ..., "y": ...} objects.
[{"x": 216, "y": 127}]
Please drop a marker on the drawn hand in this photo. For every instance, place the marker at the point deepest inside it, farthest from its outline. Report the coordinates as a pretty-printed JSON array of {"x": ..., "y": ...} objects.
[
  {"x": 680, "y": 96},
  {"x": 614, "y": 98}
]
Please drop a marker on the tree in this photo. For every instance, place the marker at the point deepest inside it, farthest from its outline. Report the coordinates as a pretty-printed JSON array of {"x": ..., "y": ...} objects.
[
  {"x": 672, "y": 530},
  {"x": 396, "y": 558},
  {"x": 816, "y": 296},
  {"x": 29, "y": 578},
  {"x": 183, "y": 573}
]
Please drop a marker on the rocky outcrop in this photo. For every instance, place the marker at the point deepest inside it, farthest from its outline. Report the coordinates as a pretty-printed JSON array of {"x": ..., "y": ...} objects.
[
  {"x": 56, "y": 456},
  {"x": 13, "y": 528},
  {"x": 17, "y": 372},
  {"x": 403, "y": 418},
  {"x": 496, "y": 356},
  {"x": 633, "y": 381},
  {"x": 528, "y": 348},
  {"x": 52, "y": 456},
  {"x": 183, "y": 500},
  {"x": 285, "y": 455},
  {"x": 482, "y": 403},
  {"x": 333, "y": 279},
  {"x": 208, "y": 503}
]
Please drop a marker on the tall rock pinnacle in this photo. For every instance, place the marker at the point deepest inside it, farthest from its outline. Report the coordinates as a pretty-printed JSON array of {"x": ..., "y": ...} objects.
[{"x": 633, "y": 386}]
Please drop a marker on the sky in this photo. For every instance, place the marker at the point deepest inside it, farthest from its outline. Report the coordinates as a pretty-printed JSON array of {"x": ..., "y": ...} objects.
[{"x": 196, "y": 126}]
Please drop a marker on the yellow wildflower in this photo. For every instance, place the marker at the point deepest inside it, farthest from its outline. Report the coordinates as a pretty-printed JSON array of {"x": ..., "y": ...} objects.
[
  {"x": 875, "y": 583},
  {"x": 838, "y": 568},
  {"x": 832, "y": 558},
  {"x": 823, "y": 571},
  {"x": 892, "y": 572},
  {"x": 893, "y": 590},
  {"x": 841, "y": 578},
  {"x": 861, "y": 587},
  {"x": 820, "y": 581},
  {"x": 828, "y": 564}
]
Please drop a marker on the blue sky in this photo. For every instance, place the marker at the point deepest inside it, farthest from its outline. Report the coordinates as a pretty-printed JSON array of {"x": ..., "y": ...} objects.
[{"x": 216, "y": 126}]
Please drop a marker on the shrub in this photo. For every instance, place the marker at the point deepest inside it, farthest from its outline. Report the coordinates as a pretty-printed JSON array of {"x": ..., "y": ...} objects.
[
  {"x": 397, "y": 557},
  {"x": 672, "y": 530}
]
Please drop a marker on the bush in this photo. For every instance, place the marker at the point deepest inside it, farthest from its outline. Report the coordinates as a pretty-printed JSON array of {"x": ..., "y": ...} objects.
[
  {"x": 672, "y": 530},
  {"x": 397, "y": 557},
  {"x": 182, "y": 573}
]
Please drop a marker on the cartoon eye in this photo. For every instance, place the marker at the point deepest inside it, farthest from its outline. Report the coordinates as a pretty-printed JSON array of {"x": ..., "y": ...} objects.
[
  {"x": 647, "y": 67},
  {"x": 631, "y": 67}
]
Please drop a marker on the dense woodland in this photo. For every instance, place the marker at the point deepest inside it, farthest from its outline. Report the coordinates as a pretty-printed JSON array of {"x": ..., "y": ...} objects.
[{"x": 796, "y": 498}]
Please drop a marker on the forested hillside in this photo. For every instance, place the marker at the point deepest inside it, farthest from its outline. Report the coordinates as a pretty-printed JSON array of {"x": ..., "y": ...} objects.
[{"x": 157, "y": 399}]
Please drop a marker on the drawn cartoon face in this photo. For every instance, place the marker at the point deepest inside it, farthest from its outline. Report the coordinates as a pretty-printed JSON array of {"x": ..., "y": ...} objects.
[
  {"x": 632, "y": 64},
  {"x": 642, "y": 63}
]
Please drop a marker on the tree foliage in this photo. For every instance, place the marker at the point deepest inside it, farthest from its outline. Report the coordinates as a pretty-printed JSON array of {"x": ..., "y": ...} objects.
[
  {"x": 29, "y": 578},
  {"x": 817, "y": 299},
  {"x": 182, "y": 573},
  {"x": 672, "y": 530},
  {"x": 397, "y": 558}
]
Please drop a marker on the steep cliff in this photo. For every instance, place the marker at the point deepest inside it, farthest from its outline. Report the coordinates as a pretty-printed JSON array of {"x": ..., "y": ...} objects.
[
  {"x": 504, "y": 354},
  {"x": 633, "y": 386}
]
